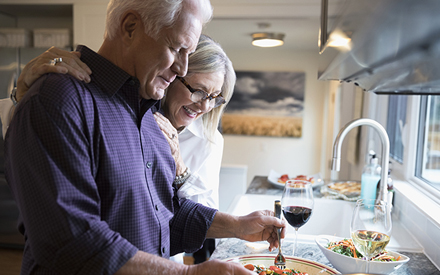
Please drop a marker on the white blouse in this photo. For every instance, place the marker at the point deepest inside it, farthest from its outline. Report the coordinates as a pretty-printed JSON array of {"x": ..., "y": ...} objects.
[{"x": 204, "y": 160}]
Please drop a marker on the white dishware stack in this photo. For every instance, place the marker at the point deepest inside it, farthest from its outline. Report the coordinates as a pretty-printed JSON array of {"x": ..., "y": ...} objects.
[
  {"x": 44, "y": 38},
  {"x": 14, "y": 38}
]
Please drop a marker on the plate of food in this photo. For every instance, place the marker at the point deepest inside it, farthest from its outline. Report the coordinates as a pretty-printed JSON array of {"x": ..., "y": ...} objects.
[
  {"x": 346, "y": 190},
  {"x": 342, "y": 254},
  {"x": 294, "y": 265},
  {"x": 279, "y": 179}
]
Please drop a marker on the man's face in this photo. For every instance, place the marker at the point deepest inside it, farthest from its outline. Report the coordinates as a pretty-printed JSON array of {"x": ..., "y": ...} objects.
[{"x": 156, "y": 63}]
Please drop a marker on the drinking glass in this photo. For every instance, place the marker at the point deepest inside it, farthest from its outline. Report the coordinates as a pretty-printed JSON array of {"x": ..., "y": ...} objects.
[
  {"x": 297, "y": 204},
  {"x": 370, "y": 228}
]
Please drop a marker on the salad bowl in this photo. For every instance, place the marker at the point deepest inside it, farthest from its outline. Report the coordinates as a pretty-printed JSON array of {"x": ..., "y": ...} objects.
[
  {"x": 300, "y": 264},
  {"x": 347, "y": 264}
]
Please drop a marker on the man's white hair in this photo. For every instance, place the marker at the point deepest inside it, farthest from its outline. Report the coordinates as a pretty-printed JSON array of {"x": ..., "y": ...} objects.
[{"x": 156, "y": 14}]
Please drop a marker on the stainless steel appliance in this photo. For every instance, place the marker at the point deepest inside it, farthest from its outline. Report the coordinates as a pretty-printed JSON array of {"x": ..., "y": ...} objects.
[{"x": 392, "y": 46}]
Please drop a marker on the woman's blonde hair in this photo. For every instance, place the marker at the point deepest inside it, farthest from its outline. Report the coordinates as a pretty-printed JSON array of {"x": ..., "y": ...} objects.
[
  {"x": 209, "y": 57},
  {"x": 156, "y": 14}
]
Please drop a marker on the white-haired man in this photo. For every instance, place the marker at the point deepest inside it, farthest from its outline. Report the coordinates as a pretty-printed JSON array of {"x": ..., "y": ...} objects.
[{"x": 92, "y": 172}]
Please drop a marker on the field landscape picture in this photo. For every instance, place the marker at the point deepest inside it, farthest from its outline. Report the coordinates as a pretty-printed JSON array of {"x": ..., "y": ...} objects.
[{"x": 266, "y": 104}]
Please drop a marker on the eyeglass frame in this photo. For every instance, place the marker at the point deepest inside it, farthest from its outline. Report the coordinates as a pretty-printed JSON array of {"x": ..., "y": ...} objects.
[{"x": 206, "y": 95}]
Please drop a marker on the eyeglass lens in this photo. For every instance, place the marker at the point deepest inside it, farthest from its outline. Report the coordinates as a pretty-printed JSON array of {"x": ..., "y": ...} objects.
[{"x": 199, "y": 95}]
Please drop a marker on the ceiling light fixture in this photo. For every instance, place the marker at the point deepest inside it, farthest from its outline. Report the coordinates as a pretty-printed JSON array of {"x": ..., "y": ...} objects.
[{"x": 267, "y": 39}]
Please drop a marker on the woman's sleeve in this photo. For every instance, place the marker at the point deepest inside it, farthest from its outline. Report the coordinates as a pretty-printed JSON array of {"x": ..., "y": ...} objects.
[{"x": 202, "y": 186}]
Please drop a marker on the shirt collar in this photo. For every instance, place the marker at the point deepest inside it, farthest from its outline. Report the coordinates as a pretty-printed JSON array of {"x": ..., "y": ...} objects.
[
  {"x": 109, "y": 76},
  {"x": 196, "y": 128},
  {"x": 106, "y": 74}
]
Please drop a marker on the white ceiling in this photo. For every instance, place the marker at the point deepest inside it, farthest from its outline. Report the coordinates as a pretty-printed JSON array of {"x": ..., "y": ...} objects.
[{"x": 235, "y": 20}]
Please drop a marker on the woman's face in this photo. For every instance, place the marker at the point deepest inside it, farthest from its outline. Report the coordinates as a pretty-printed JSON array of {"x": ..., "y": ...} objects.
[{"x": 179, "y": 108}]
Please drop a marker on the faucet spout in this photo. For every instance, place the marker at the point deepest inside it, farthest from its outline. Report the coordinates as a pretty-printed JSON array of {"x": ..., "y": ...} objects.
[{"x": 336, "y": 160}]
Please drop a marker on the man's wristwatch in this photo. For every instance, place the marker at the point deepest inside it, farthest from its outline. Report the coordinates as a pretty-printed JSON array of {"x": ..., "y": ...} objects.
[{"x": 14, "y": 96}]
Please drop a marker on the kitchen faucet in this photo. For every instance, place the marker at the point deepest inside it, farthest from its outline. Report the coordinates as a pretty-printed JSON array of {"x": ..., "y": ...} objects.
[{"x": 336, "y": 161}]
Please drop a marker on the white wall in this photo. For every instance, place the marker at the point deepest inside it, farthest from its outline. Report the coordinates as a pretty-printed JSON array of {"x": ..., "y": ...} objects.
[{"x": 285, "y": 155}]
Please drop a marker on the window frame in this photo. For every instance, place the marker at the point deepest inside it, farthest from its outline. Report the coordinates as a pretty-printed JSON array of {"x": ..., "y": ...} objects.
[{"x": 407, "y": 170}]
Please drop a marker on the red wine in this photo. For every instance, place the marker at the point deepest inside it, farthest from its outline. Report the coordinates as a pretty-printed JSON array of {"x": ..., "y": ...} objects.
[{"x": 297, "y": 216}]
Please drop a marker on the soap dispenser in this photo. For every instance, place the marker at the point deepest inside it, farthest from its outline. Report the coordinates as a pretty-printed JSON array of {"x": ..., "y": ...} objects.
[{"x": 370, "y": 177}]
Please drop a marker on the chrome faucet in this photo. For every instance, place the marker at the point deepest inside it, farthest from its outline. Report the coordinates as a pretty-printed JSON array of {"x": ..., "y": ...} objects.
[{"x": 336, "y": 161}]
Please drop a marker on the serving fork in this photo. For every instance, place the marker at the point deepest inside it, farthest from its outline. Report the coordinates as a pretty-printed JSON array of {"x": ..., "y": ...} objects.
[{"x": 280, "y": 261}]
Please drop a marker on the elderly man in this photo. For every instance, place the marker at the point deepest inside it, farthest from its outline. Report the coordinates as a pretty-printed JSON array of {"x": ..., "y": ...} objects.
[{"x": 92, "y": 172}]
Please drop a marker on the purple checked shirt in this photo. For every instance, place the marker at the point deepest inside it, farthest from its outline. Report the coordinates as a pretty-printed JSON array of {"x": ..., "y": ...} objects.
[{"x": 92, "y": 175}]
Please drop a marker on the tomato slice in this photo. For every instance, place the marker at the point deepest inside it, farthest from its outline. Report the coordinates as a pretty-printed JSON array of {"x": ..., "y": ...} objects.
[
  {"x": 250, "y": 267},
  {"x": 276, "y": 269},
  {"x": 284, "y": 178}
]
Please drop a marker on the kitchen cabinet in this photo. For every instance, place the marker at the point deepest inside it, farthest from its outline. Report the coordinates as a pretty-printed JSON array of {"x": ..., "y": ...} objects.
[
  {"x": 85, "y": 20},
  {"x": 37, "y": 17}
]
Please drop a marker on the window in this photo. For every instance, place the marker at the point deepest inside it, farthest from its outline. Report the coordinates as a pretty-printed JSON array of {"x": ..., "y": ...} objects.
[
  {"x": 396, "y": 119},
  {"x": 428, "y": 142}
]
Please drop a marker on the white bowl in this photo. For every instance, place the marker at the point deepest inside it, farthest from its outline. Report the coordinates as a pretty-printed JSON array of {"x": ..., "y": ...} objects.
[
  {"x": 346, "y": 264},
  {"x": 300, "y": 264}
]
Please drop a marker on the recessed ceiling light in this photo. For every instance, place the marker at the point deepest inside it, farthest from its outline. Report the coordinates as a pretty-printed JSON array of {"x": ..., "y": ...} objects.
[{"x": 267, "y": 39}]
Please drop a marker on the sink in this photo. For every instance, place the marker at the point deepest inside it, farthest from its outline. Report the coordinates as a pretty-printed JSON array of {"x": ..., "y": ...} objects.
[{"x": 329, "y": 217}]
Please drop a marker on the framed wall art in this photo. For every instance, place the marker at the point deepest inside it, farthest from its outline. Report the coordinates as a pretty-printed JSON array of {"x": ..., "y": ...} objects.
[{"x": 266, "y": 104}]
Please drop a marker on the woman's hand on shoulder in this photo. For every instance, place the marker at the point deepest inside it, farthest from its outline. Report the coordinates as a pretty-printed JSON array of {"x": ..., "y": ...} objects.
[
  {"x": 41, "y": 65},
  {"x": 172, "y": 137}
]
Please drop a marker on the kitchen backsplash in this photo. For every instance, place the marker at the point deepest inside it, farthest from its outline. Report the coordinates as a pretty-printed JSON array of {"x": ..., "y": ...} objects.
[{"x": 424, "y": 229}]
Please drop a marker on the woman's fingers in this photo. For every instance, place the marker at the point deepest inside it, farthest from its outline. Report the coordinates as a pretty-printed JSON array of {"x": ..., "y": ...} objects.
[
  {"x": 167, "y": 128},
  {"x": 70, "y": 61}
]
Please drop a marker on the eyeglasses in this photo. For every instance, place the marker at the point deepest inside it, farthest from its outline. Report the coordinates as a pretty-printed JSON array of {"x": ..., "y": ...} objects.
[{"x": 200, "y": 95}]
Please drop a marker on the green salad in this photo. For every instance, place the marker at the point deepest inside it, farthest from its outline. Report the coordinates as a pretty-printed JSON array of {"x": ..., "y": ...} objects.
[{"x": 346, "y": 247}]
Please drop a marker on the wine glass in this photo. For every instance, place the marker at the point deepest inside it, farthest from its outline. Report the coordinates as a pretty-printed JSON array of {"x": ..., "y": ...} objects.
[
  {"x": 297, "y": 204},
  {"x": 370, "y": 227}
]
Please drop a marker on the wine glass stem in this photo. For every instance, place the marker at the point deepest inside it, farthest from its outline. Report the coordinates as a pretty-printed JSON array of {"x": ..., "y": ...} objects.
[
  {"x": 367, "y": 269},
  {"x": 296, "y": 241}
]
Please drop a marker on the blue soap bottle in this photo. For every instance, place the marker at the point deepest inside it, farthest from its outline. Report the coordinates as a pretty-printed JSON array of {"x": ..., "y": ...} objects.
[{"x": 370, "y": 178}]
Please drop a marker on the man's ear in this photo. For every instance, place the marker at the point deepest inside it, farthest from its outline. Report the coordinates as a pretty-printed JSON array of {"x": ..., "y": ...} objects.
[{"x": 131, "y": 21}]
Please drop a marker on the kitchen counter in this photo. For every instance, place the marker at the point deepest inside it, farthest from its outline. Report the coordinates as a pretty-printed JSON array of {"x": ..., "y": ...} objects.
[
  {"x": 418, "y": 264},
  {"x": 260, "y": 185}
]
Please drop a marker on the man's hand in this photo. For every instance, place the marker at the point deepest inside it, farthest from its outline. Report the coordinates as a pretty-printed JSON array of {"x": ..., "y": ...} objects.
[
  {"x": 40, "y": 65},
  {"x": 257, "y": 226},
  {"x": 261, "y": 226}
]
